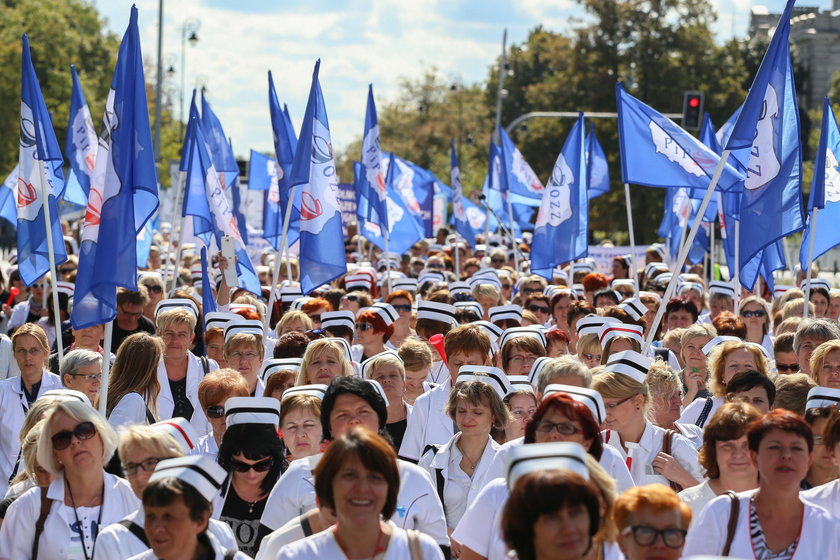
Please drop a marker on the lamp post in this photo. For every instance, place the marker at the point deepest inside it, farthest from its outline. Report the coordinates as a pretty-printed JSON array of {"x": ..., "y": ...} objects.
[{"x": 189, "y": 32}]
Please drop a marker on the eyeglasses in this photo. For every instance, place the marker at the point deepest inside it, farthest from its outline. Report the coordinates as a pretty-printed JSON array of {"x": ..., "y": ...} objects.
[
  {"x": 787, "y": 367},
  {"x": 67, "y": 270},
  {"x": 538, "y": 309},
  {"x": 147, "y": 465},
  {"x": 155, "y": 289},
  {"x": 506, "y": 286},
  {"x": 31, "y": 351},
  {"x": 756, "y": 313},
  {"x": 617, "y": 404},
  {"x": 215, "y": 411},
  {"x": 87, "y": 376},
  {"x": 527, "y": 291},
  {"x": 562, "y": 428},
  {"x": 646, "y": 536},
  {"x": 129, "y": 314},
  {"x": 82, "y": 432},
  {"x": 259, "y": 466},
  {"x": 364, "y": 327},
  {"x": 350, "y": 297},
  {"x": 591, "y": 357},
  {"x": 434, "y": 266},
  {"x": 402, "y": 308},
  {"x": 522, "y": 359},
  {"x": 497, "y": 260},
  {"x": 247, "y": 355}
]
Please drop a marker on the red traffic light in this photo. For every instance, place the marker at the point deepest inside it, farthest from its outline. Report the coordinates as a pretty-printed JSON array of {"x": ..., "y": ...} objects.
[{"x": 694, "y": 102}]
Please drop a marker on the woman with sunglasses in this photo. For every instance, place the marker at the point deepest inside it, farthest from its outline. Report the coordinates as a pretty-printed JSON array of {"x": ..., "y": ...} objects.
[
  {"x": 154, "y": 285},
  {"x": 773, "y": 521},
  {"x": 355, "y": 301},
  {"x": 133, "y": 385},
  {"x": 252, "y": 454},
  {"x": 17, "y": 394},
  {"x": 401, "y": 301},
  {"x": 755, "y": 315},
  {"x": 538, "y": 305},
  {"x": 75, "y": 444},
  {"x": 372, "y": 333},
  {"x": 213, "y": 392}
]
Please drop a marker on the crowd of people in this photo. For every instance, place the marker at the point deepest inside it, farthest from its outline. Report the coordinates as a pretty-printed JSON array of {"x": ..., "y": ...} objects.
[{"x": 444, "y": 403}]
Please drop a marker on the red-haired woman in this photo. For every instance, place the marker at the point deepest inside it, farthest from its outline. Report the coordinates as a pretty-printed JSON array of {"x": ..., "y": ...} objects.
[
  {"x": 401, "y": 301},
  {"x": 372, "y": 332},
  {"x": 772, "y": 522}
]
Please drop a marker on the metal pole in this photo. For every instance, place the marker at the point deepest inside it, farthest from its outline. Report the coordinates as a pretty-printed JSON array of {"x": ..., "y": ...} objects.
[
  {"x": 672, "y": 284},
  {"x": 158, "y": 81},
  {"x": 177, "y": 226},
  {"x": 810, "y": 259},
  {"x": 630, "y": 228},
  {"x": 283, "y": 240},
  {"x": 737, "y": 263},
  {"x": 513, "y": 235},
  {"x": 572, "y": 115},
  {"x": 106, "y": 367},
  {"x": 183, "y": 71},
  {"x": 712, "y": 250},
  {"x": 51, "y": 253}
]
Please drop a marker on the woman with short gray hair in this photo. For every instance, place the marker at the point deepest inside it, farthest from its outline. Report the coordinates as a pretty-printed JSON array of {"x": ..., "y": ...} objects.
[{"x": 81, "y": 370}]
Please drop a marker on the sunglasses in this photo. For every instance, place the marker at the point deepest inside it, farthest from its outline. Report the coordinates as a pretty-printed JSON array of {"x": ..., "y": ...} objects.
[
  {"x": 364, "y": 327},
  {"x": 259, "y": 466},
  {"x": 756, "y": 313},
  {"x": 497, "y": 260},
  {"x": 155, "y": 289},
  {"x": 402, "y": 308},
  {"x": 787, "y": 367},
  {"x": 537, "y": 309},
  {"x": 215, "y": 412},
  {"x": 66, "y": 270},
  {"x": 350, "y": 298},
  {"x": 82, "y": 432}
]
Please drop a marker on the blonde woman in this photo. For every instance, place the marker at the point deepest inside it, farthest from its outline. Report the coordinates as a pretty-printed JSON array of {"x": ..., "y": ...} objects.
[
  {"x": 725, "y": 361},
  {"x": 293, "y": 321},
  {"x": 825, "y": 364},
  {"x": 755, "y": 314},
  {"x": 133, "y": 386},
  {"x": 323, "y": 361},
  {"x": 388, "y": 370}
]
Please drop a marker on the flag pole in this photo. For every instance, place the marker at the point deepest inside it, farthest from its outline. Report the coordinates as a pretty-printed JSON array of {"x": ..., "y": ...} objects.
[
  {"x": 385, "y": 235},
  {"x": 288, "y": 251},
  {"x": 106, "y": 366},
  {"x": 283, "y": 240},
  {"x": 813, "y": 232},
  {"x": 712, "y": 250},
  {"x": 672, "y": 284},
  {"x": 737, "y": 275},
  {"x": 635, "y": 270},
  {"x": 457, "y": 259},
  {"x": 513, "y": 234},
  {"x": 177, "y": 226},
  {"x": 51, "y": 253}
]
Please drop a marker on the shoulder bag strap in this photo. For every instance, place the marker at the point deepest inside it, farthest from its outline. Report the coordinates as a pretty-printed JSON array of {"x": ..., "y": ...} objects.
[
  {"x": 704, "y": 414},
  {"x": 205, "y": 365},
  {"x": 306, "y": 526},
  {"x": 414, "y": 544},
  {"x": 46, "y": 506},
  {"x": 667, "y": 443},
  {"x": 136, "y": 530},
  {"x": 734, "y": 512}
]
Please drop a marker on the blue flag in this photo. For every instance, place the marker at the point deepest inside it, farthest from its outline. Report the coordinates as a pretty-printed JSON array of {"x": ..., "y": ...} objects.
[
  {"x": 516, "y": 178},
  {"x": 80, "y": 147},
  {"x": 655, "y": 152},
  {"x": 771, "y": 207},
  {"x": 459, "y": 209},
  {"x": 8, "y": 200},
  {"x": 371, "y": 185},
  {"x": 208, "y": 301},
  {"x": 262, "y": 171},
  {"x": 560, "y": 234},
  {"x": 39, "y": 158},
  {"x": 416, "y": 188},
  {"x": 322, "y": 258},
  {"x": 123, "y": 191},
  {"x": 825, "y": 191},
  {"x": 285, "y": 144},
  {"x": 205, "y": 200},
  {"x": 597, "y": 167},
  {"x": 220, "y": 149},
  {"x": 238, "y": 204}
]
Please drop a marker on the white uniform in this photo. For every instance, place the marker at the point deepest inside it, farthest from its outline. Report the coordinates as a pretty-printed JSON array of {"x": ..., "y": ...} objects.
[
  {"x": 459, "y": 490},
  {"x": 20, "y": 312},
  {"x": 218, "y": 551},
  {"x": 13, "y": 407},
  {"x": 692, "y": 412},
  {"x": 827, "y": 496},
  {"x": 58, "y": 539},
  {"x": 116, "y": 541},
  {"x": 418, "y": 506},
  {"x": 650, "y": 445},
  {"x": 195, "y": 373},
  {"x": 324, "y": 545},
  {"x": 273, "y": 542},
  {"x": 207, "y": 446},
  {"x": 428, "y": 423},
  {"x": 818, "y": 538},
  {"x": 694, "y": 434},
  {"x": 129, "y": 411},
  {"x": 697, "y": 497},
  {"x": 611, "y": 461},
  {"x": 438, "y": 373},
  {"x": 8, "y": 364}
]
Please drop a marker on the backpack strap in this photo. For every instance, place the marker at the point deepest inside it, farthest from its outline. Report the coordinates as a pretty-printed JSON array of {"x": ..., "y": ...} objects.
[
  {"x": 414, "y": 544},
  {"x": 46, "y": 506},
  {"x": 136, "y": 530},
  {"x": 734, "y": 512},
  {"x": 704, "y": 414},
  {"x": 306, "y": 526},
  {"x": 230, "y": 554},
  {"x": 667, "y": 443}
]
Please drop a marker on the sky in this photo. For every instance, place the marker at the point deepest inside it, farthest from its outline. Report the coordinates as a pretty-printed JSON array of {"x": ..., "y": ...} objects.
[{"x": 358, "y": 41}]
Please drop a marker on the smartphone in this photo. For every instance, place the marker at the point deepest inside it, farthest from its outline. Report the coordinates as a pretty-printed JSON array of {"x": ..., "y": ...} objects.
[{"x": 229, "y": 253}]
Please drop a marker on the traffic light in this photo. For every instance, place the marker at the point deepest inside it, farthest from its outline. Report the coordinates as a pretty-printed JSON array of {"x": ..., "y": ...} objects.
[{"x": 692, "y": 110}]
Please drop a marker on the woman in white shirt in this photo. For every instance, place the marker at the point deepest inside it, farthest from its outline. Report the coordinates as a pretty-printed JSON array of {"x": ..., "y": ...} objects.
[
  {"x": 643, "y": 445},
  {"x": 358, "y": 479},
  {"x": 772, "y": 521},
  {"x": 75, "y": 444},
  {"x": 462, "y": 464},
  {"x": 133, "y": 385},
  {"x": 388, "y": 370}
]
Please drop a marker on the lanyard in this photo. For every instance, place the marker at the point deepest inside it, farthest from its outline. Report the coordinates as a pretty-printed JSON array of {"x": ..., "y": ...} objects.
[{"x": 79, "y": 523}]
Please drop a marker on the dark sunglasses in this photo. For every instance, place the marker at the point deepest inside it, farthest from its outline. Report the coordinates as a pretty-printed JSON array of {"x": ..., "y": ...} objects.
[
  {"x": 67, "y": 270},
  {"x": 496, "y": 260},
  {"x": 155, "y": 289},
  {"x": 756, "y": 313},
  {"x": 364, "y": 327},
  {"x": 216, "y": 411},
  {"x": 537, "y": 309},
  {"x": 402, "y": 308},
  {"x": 259, "y": 466},
  {"x": 351, "y": 297},
  {"x": 787, "y": 367},
  {"x": 83, "y": 431}
]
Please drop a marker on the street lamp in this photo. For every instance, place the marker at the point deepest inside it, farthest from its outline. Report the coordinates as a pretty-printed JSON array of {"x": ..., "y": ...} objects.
[{"x": 189, "y": 32}]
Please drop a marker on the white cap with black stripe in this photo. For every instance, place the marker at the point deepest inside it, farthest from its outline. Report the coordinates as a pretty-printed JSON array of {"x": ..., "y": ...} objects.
[
  {"x": 386, "y": 311},
  {"x": 505, "y": 312},
  {"x": 633, "y": 307},
  {"x": 494, "y": 377},
  {"x": 525, "y": 459},
  {"x": 176, "y": 303},
  {"x": 717, "y": 341},
  {"x": 330, "y": 319},
  {"x": 821, "y": 397},
  {"x": 520, "y": 383},
  {"x": 250, "y": 326},
  {"x": 315, "y": 390},
  {"x": 531, "y": 331},
  {"x": 630, "y": 363},
  {"x": 612, "y": 330},
  {"x": 252, "y": 410},
  {"x": 278, "y": 364},
  {"x": 199, "y": 471},
  {"x": 592, "y": 399},
  {"x": 434, "y": 311}
]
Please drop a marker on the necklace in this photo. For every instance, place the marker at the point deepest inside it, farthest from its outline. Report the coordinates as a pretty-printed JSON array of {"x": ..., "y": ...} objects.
[
  {"x": 95, "y": 530},
  {"x": 376, "y": 549}
]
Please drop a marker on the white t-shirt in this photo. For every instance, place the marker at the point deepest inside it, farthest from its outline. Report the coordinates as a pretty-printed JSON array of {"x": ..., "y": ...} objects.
[
  {"x": 323, "y": 545},
  {"x": 697, "y": 497}
]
